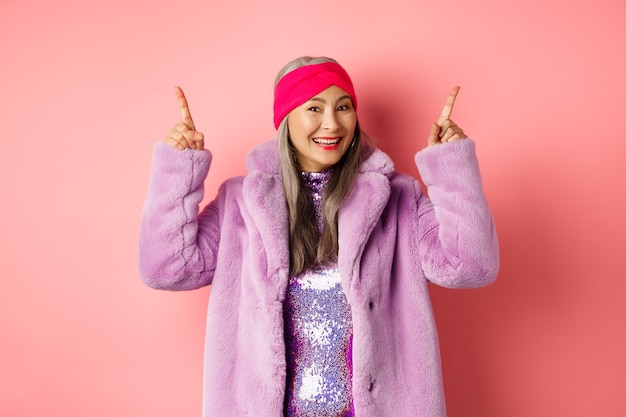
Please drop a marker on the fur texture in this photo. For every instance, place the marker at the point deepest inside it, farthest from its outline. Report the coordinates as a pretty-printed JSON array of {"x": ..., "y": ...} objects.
[{"x": 393, "y": 239}]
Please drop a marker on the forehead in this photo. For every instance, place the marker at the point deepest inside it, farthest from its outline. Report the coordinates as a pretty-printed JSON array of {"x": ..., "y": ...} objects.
[{"x": 332, "y": 93}]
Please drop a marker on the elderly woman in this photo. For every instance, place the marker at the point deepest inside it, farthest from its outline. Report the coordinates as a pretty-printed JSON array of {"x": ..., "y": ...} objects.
[{"x": 319, "y": 258}]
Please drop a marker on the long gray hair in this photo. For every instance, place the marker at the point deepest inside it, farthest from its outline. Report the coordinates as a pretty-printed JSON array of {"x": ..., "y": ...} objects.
[{"x": 308, "y": 247}]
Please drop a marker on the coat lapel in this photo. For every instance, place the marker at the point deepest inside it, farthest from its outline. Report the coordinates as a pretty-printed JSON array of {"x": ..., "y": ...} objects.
[
  {"x": 357, "y": 218},
  {"x": 265, "y": 201}
]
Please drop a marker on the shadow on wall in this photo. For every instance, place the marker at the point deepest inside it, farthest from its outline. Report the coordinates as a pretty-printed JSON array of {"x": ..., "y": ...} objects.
[{"x": 398, "y": 121}]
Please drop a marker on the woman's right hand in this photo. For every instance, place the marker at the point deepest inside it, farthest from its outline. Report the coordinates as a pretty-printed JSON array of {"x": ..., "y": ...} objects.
[
  {"x": 445, "y": 130},
  {"x": 184, "y": 134}
]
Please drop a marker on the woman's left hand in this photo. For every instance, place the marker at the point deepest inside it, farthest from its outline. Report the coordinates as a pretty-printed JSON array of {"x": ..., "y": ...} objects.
[{"x": 445, "y": 130}]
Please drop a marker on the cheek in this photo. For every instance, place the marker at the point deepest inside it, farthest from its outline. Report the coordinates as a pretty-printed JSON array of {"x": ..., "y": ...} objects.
[
  {"x": 350, "y": 123},
  {"x": 300, "y": 125}
]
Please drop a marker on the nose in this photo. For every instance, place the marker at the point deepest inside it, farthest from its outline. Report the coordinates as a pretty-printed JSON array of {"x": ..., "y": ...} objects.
[{"x": 330, "y": 121}]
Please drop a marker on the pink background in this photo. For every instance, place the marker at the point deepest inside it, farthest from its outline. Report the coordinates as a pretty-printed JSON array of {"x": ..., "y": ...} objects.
[{"x": 86, "y": 89}]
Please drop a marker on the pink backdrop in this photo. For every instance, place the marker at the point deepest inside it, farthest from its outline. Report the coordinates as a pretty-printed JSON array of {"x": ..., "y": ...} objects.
[{"x": 86, "y": 89}]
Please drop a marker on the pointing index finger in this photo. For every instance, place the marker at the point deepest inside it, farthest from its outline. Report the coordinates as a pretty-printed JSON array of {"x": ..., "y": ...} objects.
[
  {"x": 184, "y": 108},
  {"x": 447, "y": 108}
]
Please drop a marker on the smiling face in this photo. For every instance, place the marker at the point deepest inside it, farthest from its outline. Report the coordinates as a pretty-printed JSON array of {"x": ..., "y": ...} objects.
[{"x": 321, "y": 129}]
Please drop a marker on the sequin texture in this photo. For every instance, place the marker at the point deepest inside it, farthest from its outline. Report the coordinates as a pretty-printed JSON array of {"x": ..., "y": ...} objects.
[{"x": 318, "y": 336}]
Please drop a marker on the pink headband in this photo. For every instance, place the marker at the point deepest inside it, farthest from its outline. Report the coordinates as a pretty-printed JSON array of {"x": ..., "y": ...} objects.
[{"x": 299, "y": 85}]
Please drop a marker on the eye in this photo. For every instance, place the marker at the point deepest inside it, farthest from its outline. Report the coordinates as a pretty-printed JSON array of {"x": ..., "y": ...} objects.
[
  {"x": 314, "y": 109},
  {"x": 343, "y": 107}
]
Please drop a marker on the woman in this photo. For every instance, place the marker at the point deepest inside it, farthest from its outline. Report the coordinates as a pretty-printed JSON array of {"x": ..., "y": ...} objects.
[{"x": 319, "y": 258}]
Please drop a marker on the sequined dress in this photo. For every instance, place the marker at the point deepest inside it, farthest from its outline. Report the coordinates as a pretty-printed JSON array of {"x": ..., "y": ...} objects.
[{"x": 318, "y": 334}]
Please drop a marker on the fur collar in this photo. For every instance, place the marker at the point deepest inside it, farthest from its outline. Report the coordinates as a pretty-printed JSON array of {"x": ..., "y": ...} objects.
[{"x": 262, "y": 189}]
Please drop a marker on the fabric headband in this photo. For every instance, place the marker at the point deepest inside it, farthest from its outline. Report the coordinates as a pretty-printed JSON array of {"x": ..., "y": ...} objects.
[{"x": 299, "y": 85}]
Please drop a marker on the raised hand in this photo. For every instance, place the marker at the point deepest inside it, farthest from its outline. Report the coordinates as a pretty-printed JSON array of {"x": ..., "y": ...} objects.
[
  {"x": 445, "y": 130},
  {"x": 184, "y": 134}
]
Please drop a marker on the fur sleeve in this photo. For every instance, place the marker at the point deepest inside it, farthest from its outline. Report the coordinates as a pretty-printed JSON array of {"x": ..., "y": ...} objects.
[
  {"x": 458, "y": 245},
  {"x": 173, "y": 255}
]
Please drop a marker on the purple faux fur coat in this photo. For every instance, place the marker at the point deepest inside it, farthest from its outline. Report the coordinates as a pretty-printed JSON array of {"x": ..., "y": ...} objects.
[{"x": 393, "y": 240}]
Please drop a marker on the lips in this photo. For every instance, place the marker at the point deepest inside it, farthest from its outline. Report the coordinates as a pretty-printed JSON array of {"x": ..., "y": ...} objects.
[{"x": 327, "y": 143}]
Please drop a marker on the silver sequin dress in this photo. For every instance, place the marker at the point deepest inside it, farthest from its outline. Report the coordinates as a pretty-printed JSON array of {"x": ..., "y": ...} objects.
[{"x": 318, "y": 335}]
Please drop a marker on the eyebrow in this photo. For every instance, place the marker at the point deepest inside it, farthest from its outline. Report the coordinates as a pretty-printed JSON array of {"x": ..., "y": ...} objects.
[{"x": 316, "y": 98}]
